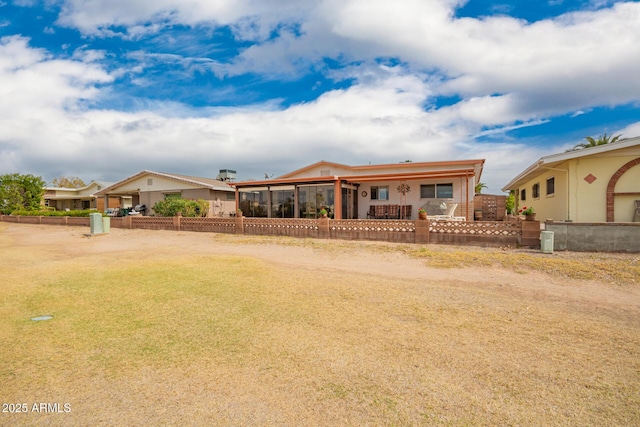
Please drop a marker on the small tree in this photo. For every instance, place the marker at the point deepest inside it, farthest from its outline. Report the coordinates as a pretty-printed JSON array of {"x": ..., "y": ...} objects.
[
  {"x": 20, "y": 192},
  {"x": 511, "y": 202},
  {"x": 68, "y": 182}
]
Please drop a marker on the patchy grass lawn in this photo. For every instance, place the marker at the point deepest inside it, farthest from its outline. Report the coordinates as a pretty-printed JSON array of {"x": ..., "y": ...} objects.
[{"x": 232, "y": 340}]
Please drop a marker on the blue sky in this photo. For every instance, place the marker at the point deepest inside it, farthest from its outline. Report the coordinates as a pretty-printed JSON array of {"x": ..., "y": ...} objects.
[{"x": 102, "y": 89}]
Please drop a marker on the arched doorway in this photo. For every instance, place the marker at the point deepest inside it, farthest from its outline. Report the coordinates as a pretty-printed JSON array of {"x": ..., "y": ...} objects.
[{"x": 612, "y": 185}]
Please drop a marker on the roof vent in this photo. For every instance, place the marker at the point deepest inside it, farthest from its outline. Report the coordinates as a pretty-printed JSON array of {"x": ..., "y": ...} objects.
[{"x": 226, "y": 175}]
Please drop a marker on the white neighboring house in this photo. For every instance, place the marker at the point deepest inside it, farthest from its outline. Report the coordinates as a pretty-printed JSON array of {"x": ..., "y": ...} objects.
[
  {"x": 63, "y": 198},
  {"x": 148, "y": 187}
]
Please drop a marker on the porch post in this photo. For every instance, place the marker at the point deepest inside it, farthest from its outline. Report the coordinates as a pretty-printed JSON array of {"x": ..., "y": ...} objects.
[
  {"x": 466, "y": 214},
  {"x": 296, "y": 204},
  {"x": 337, "y": 199}
]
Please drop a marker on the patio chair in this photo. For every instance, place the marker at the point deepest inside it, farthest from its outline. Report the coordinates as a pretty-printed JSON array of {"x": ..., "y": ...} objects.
[
  {"x": 636, "y": 214},
  {"x": 372, "y": 212},
  {"x": 447, "y": 214},
  {"x": 393, "y": 211},
  {"x": 381, "y": 212}
]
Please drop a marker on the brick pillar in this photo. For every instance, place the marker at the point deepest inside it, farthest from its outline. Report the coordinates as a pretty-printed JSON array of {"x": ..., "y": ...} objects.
[
  {"x": 323, "y": 228},
  {"x": 422, "y": 231},
  {"x": 176, "y": 221},
  {"x": 126, "y": 222},
  {"x": 530, "y": 233},
  {"x": 239, "y": 223}
]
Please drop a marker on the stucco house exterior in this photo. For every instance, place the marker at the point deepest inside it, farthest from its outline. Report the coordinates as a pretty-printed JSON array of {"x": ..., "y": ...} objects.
[
  {"x": 148, "y": 187},
  {"x": 62, "y": 198},
  {"x": 352, "y": 192},
  {"x": 596, "y": 184}
]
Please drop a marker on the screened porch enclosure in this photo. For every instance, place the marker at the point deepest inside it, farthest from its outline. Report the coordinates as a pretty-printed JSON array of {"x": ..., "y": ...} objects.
[{"x": 297, "y": 201}]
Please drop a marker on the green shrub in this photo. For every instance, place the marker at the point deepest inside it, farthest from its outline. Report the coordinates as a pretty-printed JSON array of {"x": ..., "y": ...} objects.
[{"x": 188, "y": 208}]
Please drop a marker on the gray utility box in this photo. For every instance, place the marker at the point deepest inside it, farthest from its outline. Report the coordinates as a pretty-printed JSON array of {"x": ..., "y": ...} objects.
[
  {"x": 106, "y": 224},
  {"x": 95, "y": 223},
  {"x": 546, "y": 242}
]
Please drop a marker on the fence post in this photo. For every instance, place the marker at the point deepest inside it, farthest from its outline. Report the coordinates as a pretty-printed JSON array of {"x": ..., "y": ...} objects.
[
  {"x": 239, "y": 223},
  {"x": 422, "y": 231},
  {"x": 323, "y": 228}
]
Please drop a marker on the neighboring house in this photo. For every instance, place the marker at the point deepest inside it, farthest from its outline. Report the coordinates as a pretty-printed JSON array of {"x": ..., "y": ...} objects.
[
  {"x": 62, "y": 198},
  {"x": 349, "y": 192},
  {"x": 148, "y": 187},
  {"x": 596, "y": 184}
]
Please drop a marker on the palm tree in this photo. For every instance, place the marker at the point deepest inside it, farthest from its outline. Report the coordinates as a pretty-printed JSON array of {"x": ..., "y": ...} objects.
[
  {"x": 480, "y": 186},
  {"x": 591, "y": 142}
]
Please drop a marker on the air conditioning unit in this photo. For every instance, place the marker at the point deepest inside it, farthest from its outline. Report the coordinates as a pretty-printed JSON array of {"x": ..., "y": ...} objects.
[{"x": 226, "y": 175}]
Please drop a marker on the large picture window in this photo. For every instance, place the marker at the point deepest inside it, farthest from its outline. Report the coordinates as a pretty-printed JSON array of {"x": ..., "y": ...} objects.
[
  {"x": 436, "y": 191},
  {"x": 380, "y": 193}
]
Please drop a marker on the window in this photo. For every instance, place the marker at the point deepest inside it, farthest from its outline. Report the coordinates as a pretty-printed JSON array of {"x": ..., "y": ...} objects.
[
  {"x": 436, "y": 191},
  {"x": 380, "y": 193},
  {"x": 535, "y": 190},
  {"x": 170, "y": 196},
  {"x": 551, "y": 186},
  {"x": 523, "y": 195},
  {"x": 231, "y": 196},
  {"x": 149, "y": 181}
]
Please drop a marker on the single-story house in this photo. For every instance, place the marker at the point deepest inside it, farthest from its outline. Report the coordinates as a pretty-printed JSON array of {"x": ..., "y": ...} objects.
[
  {"x": 62, "y": 198},
  {"x": 372, "y": 191},
  {"x": 148, "y": 187},
  {"x": 595, "y": 184}
]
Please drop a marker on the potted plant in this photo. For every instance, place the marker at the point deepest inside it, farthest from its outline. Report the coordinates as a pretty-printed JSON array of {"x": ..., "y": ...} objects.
[
  {"x": 529, "y": 213},
  {"x": 422, "y": 214},
  {"x": 323, "y": 213}
]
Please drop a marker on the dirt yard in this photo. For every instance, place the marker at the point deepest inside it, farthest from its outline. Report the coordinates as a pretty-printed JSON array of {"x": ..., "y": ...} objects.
[
  {"x": 364, "y": 257},
  {"x": 485, "y": 361}
]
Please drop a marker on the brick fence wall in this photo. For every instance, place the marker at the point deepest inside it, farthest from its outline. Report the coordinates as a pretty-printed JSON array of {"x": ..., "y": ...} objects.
[{"x": 476, "y": 233}]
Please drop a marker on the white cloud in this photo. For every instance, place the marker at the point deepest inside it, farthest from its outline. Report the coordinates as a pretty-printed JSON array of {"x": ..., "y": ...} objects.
[
  {"x": 509, "y": 73},
  {"x": 630, "y": 131},
  {"x": 251, "y": 19},
  {"x": 378, "y": 119}
]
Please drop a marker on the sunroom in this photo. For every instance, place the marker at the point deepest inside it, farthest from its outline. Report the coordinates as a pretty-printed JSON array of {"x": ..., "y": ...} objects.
[{"x": 387, "y": 191}]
